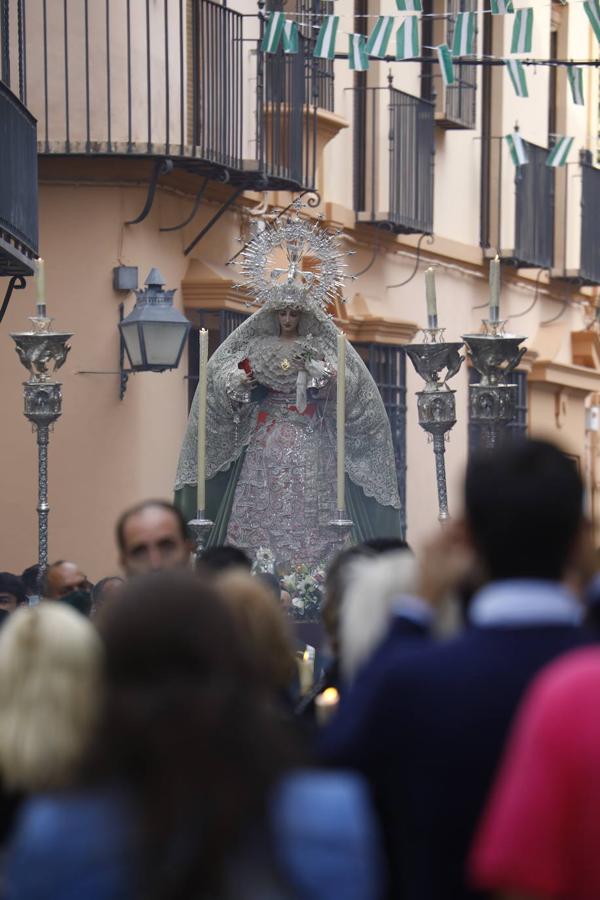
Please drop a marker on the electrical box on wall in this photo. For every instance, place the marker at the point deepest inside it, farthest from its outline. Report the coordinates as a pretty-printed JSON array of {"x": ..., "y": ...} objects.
[{"x": 125, "y": 278}]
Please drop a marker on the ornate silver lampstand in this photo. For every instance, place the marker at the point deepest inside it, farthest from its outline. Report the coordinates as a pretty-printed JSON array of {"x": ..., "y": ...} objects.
[
  {"x": 493, "y": 402},
  {"x": 200, "y": 529},
  {"x": 435, "y": 403},
  {"x": 42, "y": 351}
]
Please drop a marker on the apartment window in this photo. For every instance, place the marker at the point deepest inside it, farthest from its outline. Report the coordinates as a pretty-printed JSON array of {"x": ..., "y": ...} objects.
[
  {"x": 387, "y": 365},
  {"x": 455, "y": 106},
  {"x": 220, "y": 324},
  {"x": 590, "y": 204},
  {"x": 518, "y": 427},
  {"x": 534, "y": 225}
]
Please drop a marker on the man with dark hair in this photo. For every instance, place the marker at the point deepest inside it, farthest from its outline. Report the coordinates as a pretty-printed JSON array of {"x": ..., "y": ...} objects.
[
  {"x": 12, "y": 592},
  {"x": 225, "y": 556},
  {"x": 152, "y": 536},
  {"x": 427, "y": 726}
]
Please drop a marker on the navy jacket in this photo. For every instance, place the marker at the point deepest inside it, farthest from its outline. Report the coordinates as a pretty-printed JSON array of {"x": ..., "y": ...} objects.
[{"x": 426, "y": 724}]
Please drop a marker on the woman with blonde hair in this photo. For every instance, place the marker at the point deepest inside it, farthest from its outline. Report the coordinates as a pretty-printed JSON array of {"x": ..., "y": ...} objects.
[{"x": 50, "y": 674}]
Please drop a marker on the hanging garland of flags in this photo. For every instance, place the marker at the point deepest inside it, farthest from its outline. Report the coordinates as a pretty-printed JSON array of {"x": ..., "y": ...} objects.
[{"x": 281, "y": 31}]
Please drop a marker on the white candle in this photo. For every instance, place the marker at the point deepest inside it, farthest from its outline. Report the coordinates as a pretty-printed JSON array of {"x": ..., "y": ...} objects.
[
  {"x": 306, "y": 669},
  {"x": 40, "y": 281},
  {"x": 326, "y": 704},
  {"x": 495, "y": 290},
  {"x": 341, "y": 419},
  {"x": 201, "y": 495},
  {"x": 432, "y": 318}
]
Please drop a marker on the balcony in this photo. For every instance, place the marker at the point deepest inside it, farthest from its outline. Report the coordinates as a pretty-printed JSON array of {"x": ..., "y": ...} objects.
[
  {"x": 534, "y": 211},
  {"x": 18, "y": 153},
  {"x": 455, "y": 106},
  {"x": 181, "y": 79},
  {"x": 402, "y": 186},
  {"x": 589, "y": 267}
]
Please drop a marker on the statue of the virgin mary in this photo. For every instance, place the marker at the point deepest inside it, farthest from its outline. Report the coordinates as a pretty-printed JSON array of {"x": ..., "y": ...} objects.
[{"x": 271, "y": 414}]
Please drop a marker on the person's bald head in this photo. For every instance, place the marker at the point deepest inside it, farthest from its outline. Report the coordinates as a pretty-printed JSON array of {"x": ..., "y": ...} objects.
[
  {"x": 62, "y": 577},
  {"x": 151, "y": 537}
]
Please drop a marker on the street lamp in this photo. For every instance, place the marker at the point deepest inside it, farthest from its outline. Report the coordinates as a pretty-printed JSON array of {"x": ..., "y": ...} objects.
[{"x": 154, "y": 333}]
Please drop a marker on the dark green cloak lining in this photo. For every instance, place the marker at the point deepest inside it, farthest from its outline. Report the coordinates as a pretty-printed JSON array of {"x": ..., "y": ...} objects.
[{"x": 370, "y": 518}]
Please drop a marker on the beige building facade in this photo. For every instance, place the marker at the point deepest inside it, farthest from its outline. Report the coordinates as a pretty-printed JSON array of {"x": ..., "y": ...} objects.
[{"x": 182, "y": 82}]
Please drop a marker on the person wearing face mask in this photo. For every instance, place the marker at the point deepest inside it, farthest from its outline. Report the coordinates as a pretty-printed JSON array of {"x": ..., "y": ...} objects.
[
  {"x": 271, "y": 418},
  {"x": 65, "y": 581}
]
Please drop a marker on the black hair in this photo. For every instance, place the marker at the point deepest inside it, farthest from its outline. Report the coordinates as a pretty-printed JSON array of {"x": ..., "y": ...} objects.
[
  {"x": 12, "y": 584},
  {"x": 222, "y": 557},
  {"x": 141, "y": 507},
  {"x": 29, "y": 577},
  {"x": 524, "y": 508},
  {"x": 381, "y": 545}
]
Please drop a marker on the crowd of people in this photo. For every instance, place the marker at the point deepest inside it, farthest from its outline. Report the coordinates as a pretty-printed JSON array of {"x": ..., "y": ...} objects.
[{"x": 158, "y": 740}]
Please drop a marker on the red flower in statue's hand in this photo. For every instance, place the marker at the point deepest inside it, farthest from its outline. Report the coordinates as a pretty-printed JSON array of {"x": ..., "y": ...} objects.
[{"x": 245, "y": 365}]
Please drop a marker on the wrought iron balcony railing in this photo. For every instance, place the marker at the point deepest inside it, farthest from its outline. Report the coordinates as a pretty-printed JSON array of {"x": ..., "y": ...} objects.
[
  {"x": 590, "y": 238},
  {"x": 18, "y": 151},
  {"x": 534, "y": 210},
  {"x": 176, "y": 78},
  {"x": 403, "y": 188}
]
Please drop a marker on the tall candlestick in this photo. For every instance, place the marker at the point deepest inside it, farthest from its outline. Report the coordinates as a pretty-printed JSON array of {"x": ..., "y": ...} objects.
[
  {"x": 40, "y": 281},
  {"x": 341, "y": 420},
  {"x": 495, "y": 290},
  {"x": 201, "y": 495},
  {"x": 432, "y": 318}
]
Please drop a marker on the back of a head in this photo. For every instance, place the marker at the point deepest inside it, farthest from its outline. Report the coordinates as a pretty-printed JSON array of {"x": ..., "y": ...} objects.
[
  {"x": 50, "y": 675},
  {"x": 259, "y": 617},
  {"x": 524, "y": 509},
  {"x": 184, "y": 718},
  {"x": 223, "y": 558}
]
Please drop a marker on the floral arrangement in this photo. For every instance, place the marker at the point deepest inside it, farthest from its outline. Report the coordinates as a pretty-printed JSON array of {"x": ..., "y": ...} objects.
[{"x": 305, "y": 586}]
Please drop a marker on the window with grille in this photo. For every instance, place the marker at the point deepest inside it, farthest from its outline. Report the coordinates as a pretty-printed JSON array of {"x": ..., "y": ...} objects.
[
  {"x": 455, "y": 106},
  {"x": 387, "y": 365},
  {"x": 515, "y": 429}
]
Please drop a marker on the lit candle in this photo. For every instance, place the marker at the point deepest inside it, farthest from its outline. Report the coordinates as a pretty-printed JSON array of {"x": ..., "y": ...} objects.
[
  {"x": 495, "y": 289},
  {"x": 40, "y": 280},
  {"x": 341, "y": 419},
  {"x": 306, "y": 669},
  {"x": 201, "y": 495},
  {"x": 432, "y": 318},
  {"x": 326, "y": 704}
]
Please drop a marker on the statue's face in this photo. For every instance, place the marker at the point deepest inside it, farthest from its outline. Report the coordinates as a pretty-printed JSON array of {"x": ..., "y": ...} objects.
[{"x": 288, "y": 321}]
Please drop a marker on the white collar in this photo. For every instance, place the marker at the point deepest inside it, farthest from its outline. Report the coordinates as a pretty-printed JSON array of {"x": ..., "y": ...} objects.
[{"x": 523, "y": 602}]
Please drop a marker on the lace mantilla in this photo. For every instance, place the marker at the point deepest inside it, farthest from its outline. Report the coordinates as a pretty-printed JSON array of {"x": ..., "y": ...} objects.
[{"x": 370, "y": 460}]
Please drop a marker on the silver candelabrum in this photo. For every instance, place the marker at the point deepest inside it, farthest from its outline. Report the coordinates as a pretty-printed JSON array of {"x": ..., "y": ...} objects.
[
  {"x": 493, "y": 401},
  {"x": 42, "y": 351},
  {"x": 200, "y": 529},
  {"x": 435, "y": 403}
]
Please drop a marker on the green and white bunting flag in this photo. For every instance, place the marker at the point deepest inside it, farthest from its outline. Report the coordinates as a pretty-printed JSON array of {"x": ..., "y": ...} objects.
[
  {"x": 358, "y": 58},
  {"x": 273, "y": 32},
  {"x": 325, "y": 46},
  {"x": 464, "y": 34},
  {"x": 290, "y": 37},
  {"x": 560, "y": 151},
  {"x": 522, "y": 31},
  {"x": 380, "y": 36},
  {"x": 575, "y": 74},
  {"x": 592, "y": 11},
  {"x": 502, "y": 7},
  {"x": 446, "y": 68},
  {"x": 410, "y": 5},
  {"x": 518, "y": 154},
  {"x": 408, "y": 43},
  {"x": 516, "y": 70}
]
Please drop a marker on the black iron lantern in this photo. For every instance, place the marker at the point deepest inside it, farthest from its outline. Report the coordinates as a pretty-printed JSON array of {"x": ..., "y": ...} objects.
[{"x": 154, "y": 333}]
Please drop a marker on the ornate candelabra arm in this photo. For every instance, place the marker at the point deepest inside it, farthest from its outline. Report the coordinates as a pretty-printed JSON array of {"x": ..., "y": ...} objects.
[
  {"x": 200, "y": 529},
  {"x": 436, "y": 404},
  {"x": 439, "y": 449},
  {"x": 42, "y": 351}
]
